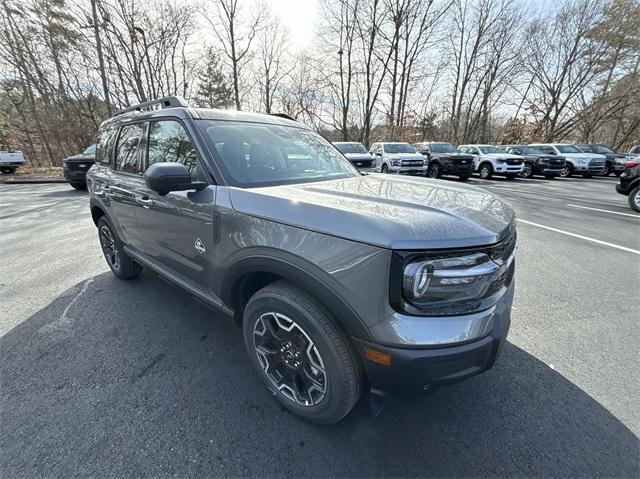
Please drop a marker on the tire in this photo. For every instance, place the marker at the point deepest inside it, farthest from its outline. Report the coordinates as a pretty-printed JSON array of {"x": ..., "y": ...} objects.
[
  {"x": 463, "y": 177},
  {"x": 123, "y": 266},
  {"x": 434, "y": 171},
  {"x": 634, "y": 199},
  {"x": 606, "y": 170},
  {"x": 384, "y": 168},
  {"x": 312, "y": 343},
  {"x": 527, "y": 172},
  {"x": 486, "y": 171},
  {"x": 567, "y": 172},
  {"x": 7, "y": 170},
  {"x": 79, "y": 186}
]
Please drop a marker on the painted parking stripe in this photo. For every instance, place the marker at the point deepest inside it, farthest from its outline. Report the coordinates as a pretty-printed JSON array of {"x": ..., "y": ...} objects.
[
  {"x": 586, "y": 238},
  {"x": 604, "y": 211}
]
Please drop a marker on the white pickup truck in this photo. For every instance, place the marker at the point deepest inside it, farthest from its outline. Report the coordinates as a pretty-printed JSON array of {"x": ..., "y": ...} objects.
[{"x": 10, "y": 160}]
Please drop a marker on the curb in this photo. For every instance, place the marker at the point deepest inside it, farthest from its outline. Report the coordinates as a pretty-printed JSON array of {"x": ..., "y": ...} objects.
[{"x": 28, "y": 181}]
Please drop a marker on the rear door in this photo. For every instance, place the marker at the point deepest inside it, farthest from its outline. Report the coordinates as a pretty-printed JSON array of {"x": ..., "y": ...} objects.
[
  {"x": 125, "y": 180},
  {"x": 177, "y": 229}
]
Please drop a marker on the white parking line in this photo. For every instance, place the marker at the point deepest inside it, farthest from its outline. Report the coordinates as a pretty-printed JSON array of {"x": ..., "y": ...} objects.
[
  {"x": 586, "y": 238},
  {"x": 604, "y": 211}
]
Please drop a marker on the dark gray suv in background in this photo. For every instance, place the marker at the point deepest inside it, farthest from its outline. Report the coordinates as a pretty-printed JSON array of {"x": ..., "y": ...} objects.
[{"x": 343, "y": 283}]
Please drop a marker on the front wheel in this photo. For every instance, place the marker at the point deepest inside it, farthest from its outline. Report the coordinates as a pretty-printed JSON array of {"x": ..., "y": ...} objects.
[
  {"x": 527, "y": 171},
  {"x": 606, "y": 170},
  {"x": 634, "y": 199},
  {"x": 384, "y": 168},
  {"x": 486, "y": 171},
  {"x": 434, "y": 171},
  {"x": 300, "y": 353},
  {"x": 567, "y": 171}
]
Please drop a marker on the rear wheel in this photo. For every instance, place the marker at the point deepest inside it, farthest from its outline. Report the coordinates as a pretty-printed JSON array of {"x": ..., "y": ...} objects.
[
  {"x": 300, "y": 353},
  {"x": 434, "y": 171},
  {"x": 634, "y": 198},
  {"x": 121, "y": 264},
  {"x": 486, "y": 171}
]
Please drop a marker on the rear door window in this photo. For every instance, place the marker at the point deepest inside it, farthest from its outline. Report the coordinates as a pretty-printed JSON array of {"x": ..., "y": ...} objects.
[
  {"x": 128, "y": 158},
  {"x": 104, "y": 148}
]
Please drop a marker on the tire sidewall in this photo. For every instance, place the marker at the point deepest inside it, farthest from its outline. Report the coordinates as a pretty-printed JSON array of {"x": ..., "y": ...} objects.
[
  {"x": 486, "y": 168},
  {"x": 635, "y": 193},
  {"x": 261, "y": 304}
]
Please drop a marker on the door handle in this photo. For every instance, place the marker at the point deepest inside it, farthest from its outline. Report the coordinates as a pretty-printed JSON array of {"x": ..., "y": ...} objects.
[{"x": 145, "y": 201}]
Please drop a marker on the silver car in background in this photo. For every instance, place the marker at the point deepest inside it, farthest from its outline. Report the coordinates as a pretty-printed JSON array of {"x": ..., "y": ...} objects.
[
  {"x": 399, "y": 157},
  {"x": 357, "y": 154}
]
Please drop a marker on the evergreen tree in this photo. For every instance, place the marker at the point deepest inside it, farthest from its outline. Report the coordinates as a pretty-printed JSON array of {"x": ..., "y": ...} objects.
[{"x": 213, "y": 90}]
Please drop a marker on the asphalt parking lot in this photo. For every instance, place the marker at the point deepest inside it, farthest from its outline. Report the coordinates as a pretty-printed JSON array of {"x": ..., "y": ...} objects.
[{"x": 101, "y": 377}]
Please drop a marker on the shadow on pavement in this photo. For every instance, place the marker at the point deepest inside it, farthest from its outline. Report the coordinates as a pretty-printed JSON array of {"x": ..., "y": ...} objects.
[
  {"x": 70, "y": 193},
  {"x": 135, "y": 378}
]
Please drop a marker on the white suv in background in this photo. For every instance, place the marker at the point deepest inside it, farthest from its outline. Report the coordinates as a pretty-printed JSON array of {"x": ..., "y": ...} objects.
[
  {"x": 586, "y": 164},
  {"x": 398, "y": 157},
  {"x": 491, "y": 160}
]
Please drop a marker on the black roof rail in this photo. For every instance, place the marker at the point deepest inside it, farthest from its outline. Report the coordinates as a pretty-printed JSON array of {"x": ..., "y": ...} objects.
[
  {"x": 166, "y": 102},
  {"x": 283, "y": 115}
]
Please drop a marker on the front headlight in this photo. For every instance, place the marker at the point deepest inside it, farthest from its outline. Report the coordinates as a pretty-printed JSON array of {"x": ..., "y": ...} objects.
[
  {"x": 448, "y": 284},
  {"x": 501, "y": 160}
]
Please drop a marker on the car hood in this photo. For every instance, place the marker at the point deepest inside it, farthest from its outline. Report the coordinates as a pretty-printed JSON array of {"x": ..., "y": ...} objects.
[
  {"x": 584, "y": 156},
  {"x": 386, "y": 211},
  {"x": 452, "y": 155},
  {"x": 80, "y": 157},
  {"x": 404, "y": 156},
  {"x": 359, "y": 156},
  {"x": 502, "y": 156}
]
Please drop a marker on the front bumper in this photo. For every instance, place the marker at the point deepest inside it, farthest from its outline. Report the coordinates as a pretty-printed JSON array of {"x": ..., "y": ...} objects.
[
  {"x": 504, "y": 169},
  {"x": 418, "y": 370},
  {"x": 547, "y": 170}
]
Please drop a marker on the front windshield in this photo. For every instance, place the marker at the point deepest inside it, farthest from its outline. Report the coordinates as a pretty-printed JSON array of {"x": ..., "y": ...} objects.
[
  {"x": 398, "y": 148},
  {"x": 442, "y": 148},
  {"x": 487, "y": 150},
  {"x": 258, "y": 154},
  {"x": 350, "y": 148},
  {"x": 530, "y": 150},
  {"x": 601, "y": 149},
  {"x": 567, "y": 149},
  {"x": 91, "y": 150}
]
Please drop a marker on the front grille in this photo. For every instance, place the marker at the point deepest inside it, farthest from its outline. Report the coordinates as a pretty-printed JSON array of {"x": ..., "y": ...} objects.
[
  {"x": 364, "y": 163},
  {"x": 596, "y": 162},
  {"x": 513, "y": 161},
  {"x": 411, "y": 162},
  {"x": 78, "y": 165}
]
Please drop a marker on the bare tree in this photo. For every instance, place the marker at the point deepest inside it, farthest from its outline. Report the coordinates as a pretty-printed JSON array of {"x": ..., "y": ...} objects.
[
  {"x": 272, "y": 66},
  {"x": 235, "y": 34}
]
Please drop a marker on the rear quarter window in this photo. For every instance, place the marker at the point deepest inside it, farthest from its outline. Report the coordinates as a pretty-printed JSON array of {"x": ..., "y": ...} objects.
[{"x": 104, "y": 147}]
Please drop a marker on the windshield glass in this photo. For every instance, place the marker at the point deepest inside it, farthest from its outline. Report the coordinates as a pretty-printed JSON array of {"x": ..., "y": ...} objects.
[
  {"x": 350, "y": 147},
  {"x": 487, "y": 150},
  {"x": 530, "y": 150},
  {"x": 91, "y": 150},
  {"x": 257, "y": 154},
  {"x": 442, "y": 148},
  {"x": 398, "y": 148},
  {"x": 567, "y": 149},
  {"x": 601, "y": 149}
]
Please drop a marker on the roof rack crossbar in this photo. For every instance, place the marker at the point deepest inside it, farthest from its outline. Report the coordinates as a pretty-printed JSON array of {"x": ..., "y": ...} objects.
[
  {"x": 166, "y": 102},
  {"x": 283, "y": 115}
]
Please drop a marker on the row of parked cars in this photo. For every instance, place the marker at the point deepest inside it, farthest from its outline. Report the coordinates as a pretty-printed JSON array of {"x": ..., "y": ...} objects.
[{"x": 435, "y": 159}]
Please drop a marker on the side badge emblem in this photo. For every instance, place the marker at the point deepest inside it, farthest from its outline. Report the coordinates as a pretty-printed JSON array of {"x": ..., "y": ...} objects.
[{"x": 199, "y": 245}]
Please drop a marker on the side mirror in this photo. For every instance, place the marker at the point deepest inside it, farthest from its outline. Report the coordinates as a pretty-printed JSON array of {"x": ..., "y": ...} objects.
[{"x": 165, "y": 177}]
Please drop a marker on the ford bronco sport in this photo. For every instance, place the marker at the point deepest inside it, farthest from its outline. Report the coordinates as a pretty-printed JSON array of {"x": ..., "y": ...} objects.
[{"x": 343, "y": 283}]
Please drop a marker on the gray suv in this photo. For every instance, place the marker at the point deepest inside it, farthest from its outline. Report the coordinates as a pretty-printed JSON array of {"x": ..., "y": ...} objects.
[{"x": 343, "y": 283}]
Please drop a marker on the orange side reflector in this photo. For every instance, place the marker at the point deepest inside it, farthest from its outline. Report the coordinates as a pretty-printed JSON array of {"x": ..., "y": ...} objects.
[{"x": 377, "y": 356}]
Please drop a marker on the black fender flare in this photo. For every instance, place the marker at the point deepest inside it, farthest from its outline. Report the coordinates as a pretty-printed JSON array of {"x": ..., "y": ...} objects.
[{"x": 300, "y": 272}]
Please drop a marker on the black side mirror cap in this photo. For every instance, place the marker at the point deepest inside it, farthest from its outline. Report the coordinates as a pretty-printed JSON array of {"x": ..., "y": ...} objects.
[{"x": 166, "y": 177}]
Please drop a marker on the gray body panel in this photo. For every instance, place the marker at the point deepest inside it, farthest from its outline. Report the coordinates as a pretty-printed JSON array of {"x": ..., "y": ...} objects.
[{"x": 334, "y": 238}]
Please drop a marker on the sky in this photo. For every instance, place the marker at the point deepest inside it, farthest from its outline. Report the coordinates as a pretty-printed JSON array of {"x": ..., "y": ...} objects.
[{"x": 299, "y": 17}]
